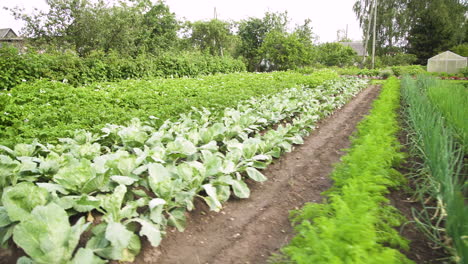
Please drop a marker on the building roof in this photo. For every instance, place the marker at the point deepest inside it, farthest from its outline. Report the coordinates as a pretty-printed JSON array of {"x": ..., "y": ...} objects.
[
  {"x": 358, "y": 46},
  {"x": 4, "y": 32},
  {"x": 448, "y": 55}
]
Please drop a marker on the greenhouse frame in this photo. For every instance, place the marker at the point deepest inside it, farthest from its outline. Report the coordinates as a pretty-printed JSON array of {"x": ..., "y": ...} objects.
[{"x": 448, "y": 62}]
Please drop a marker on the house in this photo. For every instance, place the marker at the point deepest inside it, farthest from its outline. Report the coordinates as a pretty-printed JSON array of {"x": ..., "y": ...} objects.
[
  {"x": 7, "y": 33},
  {"x": 8, "y": 36},
  {"x": 357, "y": 46},
  {"x": 448, "y": 62}
]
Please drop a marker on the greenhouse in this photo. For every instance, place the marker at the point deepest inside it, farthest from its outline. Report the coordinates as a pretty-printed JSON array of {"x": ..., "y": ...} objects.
[{"x": 448, "y": 62}]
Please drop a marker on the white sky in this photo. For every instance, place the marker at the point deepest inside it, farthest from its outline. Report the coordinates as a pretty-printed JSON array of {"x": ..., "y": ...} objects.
[{"x": 327, "y": 16}]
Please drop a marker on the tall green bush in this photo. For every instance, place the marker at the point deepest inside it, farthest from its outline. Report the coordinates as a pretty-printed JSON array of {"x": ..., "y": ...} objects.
[
  {"x": 68, "y": 67},
  {"x": 336, "y": 54}
]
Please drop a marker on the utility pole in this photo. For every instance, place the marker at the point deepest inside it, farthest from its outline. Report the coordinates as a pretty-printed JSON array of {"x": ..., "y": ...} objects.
[
  {"x": 346, "y": 36},
  {"x": 373, "y": 41},
  {"x": 215, "y": 13},
  {"x": 366, "y": 40}
]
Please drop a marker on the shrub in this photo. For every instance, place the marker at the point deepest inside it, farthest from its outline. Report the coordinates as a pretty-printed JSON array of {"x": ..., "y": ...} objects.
[
  {"x": 68, "y": 67},
  {"x": 336, "y": 54},
  {"x": 385, "y": 73},
  {"x": 410, "y": 70},
  {"x": 400, "y": 58},
  {"x": 461, "y": 49}
]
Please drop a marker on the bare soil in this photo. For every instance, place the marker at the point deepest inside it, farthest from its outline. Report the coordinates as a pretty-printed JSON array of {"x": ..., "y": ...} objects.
[
  {"x": 422, "y": 249},
  {"x": 250, "y": 230}
]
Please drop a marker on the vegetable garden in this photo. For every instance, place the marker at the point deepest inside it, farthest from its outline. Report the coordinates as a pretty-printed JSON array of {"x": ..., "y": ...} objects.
[{"x": 88, "y": 173}]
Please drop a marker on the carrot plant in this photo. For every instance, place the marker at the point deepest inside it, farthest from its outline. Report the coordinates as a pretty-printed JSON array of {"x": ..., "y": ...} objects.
[{"x": 355, "y": 224}]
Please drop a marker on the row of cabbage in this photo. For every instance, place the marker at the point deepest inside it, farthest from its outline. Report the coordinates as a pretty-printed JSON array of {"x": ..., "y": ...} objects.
[{"x": 135, "y": 180}]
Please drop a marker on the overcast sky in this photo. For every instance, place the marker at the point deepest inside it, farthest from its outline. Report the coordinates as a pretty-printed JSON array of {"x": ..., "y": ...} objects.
[{"x": 327, "y": 16}]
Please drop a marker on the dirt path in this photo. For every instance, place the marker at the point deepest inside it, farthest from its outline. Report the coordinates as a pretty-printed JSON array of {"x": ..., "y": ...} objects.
[{"x": 250, "y": 230}]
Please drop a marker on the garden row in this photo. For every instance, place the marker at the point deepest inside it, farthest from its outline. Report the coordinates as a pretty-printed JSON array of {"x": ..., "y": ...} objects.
[
  {"x": 49, "y": 110},
  {"x": 355, "y": 224},
  {"x": 399, "y": 71},
  {"x": 133, "y": 181},
  {"x": 435, "y": 112}
]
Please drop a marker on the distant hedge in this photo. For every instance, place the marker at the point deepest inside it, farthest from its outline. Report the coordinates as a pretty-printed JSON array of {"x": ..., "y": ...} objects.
[{"x": 68, "y": 67}]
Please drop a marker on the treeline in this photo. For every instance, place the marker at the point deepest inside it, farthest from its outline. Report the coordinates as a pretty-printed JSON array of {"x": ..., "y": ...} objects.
[
  {"x": 83, "y": 41},
  {"x": 132, "y": 28},
  {"x": 423, "y": 28}
]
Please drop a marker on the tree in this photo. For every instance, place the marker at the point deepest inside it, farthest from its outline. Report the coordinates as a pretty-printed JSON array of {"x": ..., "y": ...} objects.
[
  {"x": 84, "y": 25},
  {"x": 437, "y": 26},
  {"x": 160, "y": 28},
  {"x": 420, "y": 27},
  {"x": 253, "y": 32},
  {"x": 106, "y": 28},
  {"x": 336, "y": 54},
  {"x": 305, "y": 32},
  {"x": 392, "y": 23},
  {"x": 461, "y": 49},
  {"x": 52, "y": 26},
  {"x": 283, "y": 51},
  {"x": 214, "y": 36}
]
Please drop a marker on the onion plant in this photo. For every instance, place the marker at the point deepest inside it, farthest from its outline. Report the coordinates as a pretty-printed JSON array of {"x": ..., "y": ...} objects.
[{"x": 434, "y": 119}]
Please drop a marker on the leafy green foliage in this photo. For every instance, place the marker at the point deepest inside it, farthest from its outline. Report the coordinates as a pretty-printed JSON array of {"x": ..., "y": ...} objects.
[
  {"x": 423, "y": 28},
  {"x": 412, "y": 70},
  {"x": 214, "y": 37},
  {"x": 437, "y": 25},
  {"x": 68, "y": 67},
  {"x": 22, "y": 198},
  {"x": 395, "y": 70},
  {"x": 433, "y": 122},
  {"x": 336, "y": 54},
  {"x": 398, "y": 59},
  {"x": 127, "y": 27},
  {"x": 50, "y": 110},
  {"x": 46, "y": 235},
  {"x": 143, "y": 177},
  {"x": 452, "y": 101},
  {"x": 160, "y": 28},
  {"x": 286, "y": 51},
  {"x": 461, "y": 49},
  {"x": 355, "y": 225},
  {"x": 393, "y": 23},
  {"x": 355, "y": 71},
  {"x": 253, "y": 32}
]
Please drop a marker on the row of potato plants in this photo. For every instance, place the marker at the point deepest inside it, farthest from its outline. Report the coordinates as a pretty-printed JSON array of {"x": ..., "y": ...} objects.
[
  {"x": 50, "y": 110},
  {"x": 435, "y": 112},
  {"x": 136, "y": 180},
  {"x": 355, "y": 224}
]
